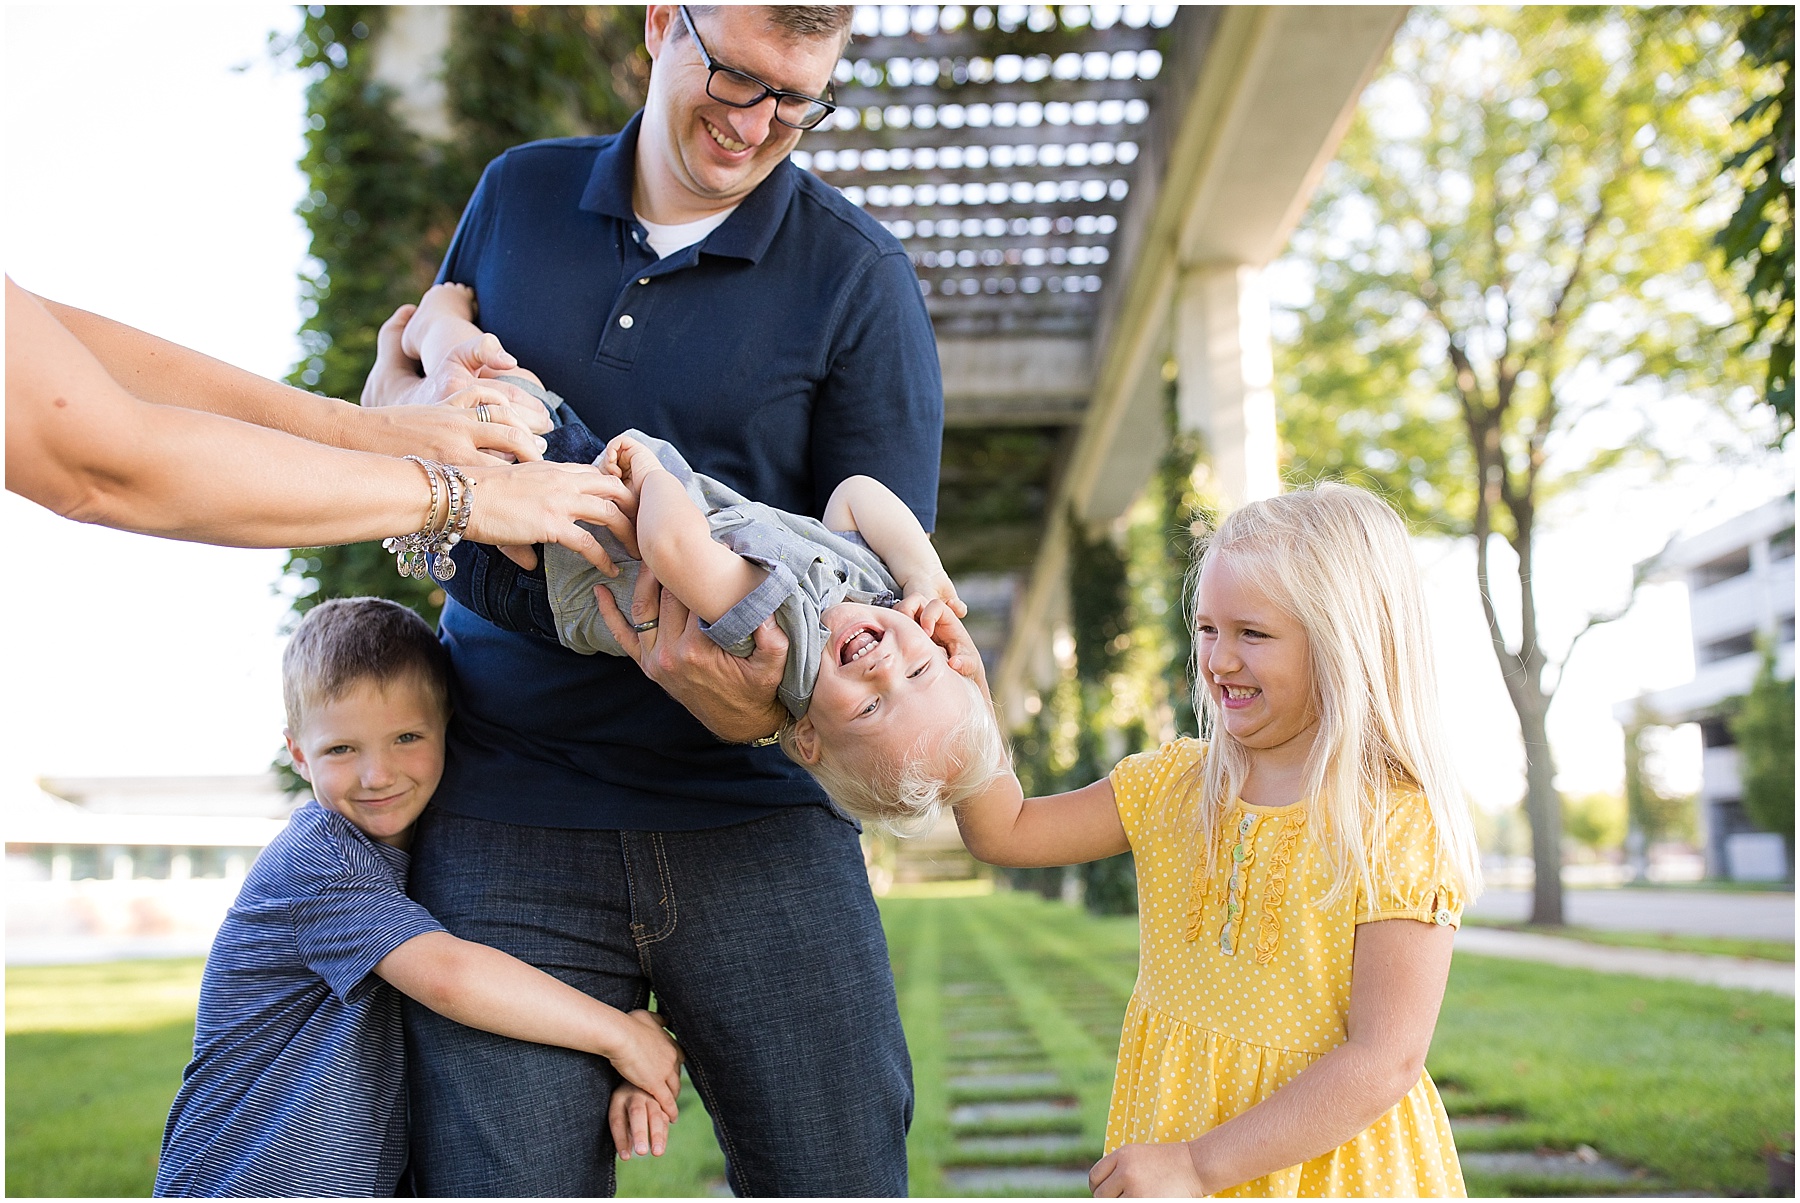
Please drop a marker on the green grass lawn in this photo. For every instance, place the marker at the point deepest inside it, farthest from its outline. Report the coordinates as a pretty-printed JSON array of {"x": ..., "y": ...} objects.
[
  {"x": 1723, "y": 946},
  {"x": 1687, "y": 1082},
  {"x": 93, "y": 1056}
]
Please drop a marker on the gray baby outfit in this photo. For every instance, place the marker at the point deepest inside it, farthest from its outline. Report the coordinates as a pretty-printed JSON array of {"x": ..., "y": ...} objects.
[{"x": 810, "y": 569}]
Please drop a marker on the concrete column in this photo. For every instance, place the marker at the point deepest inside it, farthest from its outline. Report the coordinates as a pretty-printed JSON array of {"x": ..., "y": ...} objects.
[
  {"x": 1226, "y": 378},
  {"x": 409, "y": 57}
]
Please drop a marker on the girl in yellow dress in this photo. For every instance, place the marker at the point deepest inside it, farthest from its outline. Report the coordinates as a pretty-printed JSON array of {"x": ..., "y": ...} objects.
[{"x": 1300, "y": 874}]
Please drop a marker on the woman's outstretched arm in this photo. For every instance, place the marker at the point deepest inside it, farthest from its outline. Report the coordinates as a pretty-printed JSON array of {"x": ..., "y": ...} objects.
[
  {"x": 166, "y": 373},
  {"x": 79, "y": 444}
]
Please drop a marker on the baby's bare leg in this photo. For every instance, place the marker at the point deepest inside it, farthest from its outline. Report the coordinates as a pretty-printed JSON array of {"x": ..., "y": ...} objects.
[{"x": 445, "y": 318}]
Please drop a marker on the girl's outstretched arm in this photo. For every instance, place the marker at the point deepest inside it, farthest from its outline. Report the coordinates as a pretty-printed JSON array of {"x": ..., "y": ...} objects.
[
  {"x": 1397, "y": 985},
  {"x": 1002, "y": 826}
]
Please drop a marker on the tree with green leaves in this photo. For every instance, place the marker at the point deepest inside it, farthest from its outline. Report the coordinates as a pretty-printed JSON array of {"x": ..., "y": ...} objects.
[
  {"x": 1760, "y": 234},
  {"x": 1764, "y": 730},
  {"x": 1511, "y": 254},
  {"x": 1653, "y": 812}
]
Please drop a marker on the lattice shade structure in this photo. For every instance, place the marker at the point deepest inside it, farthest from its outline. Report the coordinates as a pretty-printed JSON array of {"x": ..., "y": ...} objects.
[{"x": 998, "y": 143}]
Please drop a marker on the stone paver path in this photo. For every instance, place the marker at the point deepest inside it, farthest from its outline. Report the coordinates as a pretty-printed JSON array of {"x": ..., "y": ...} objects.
[{"x": 1738, "y": 973}]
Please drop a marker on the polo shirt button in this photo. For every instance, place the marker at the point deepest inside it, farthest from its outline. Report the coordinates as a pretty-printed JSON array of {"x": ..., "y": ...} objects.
[
  {"x": 625, "y": 322},
  {"x": 643, "y": 279}
]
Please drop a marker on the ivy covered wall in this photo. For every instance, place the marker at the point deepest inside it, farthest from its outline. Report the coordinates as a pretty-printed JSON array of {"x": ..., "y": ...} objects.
[
  {"x": 383, "y": 200},
  {"x": 1126, "y": 687}
]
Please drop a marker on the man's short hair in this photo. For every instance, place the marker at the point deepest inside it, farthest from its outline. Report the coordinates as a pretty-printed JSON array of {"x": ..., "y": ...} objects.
[
  {"x": 349, "y": 640},
  {"x": 801, "y": 20}
]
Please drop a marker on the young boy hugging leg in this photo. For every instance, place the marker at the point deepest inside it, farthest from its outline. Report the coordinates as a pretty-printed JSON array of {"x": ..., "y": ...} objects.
[{"x": 297, "y": 1086}]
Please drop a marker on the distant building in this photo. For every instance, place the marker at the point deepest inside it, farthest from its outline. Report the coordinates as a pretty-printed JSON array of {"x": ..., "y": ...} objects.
[
  {"x": 130, "y": 866},
  {"x": 1740, "y": 579}
]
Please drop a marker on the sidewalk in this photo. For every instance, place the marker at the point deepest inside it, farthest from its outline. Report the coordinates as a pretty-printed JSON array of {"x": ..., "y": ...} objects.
[
  {"x": 1737, "y": 973},
  {"x": 1688, "y": 912}
]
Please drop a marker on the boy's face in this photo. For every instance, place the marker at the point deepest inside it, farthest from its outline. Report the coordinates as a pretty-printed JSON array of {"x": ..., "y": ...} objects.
[
  {"x": 881, "y": 679},
  {"x": 374, "y": 755}
]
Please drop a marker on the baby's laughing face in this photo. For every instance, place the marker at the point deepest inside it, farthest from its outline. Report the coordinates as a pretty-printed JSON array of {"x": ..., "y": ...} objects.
[{"x": 882, "y": 681}]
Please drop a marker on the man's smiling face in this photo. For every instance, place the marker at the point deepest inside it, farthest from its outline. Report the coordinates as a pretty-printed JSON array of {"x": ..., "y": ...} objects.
[{"x": 699, "y": 155}]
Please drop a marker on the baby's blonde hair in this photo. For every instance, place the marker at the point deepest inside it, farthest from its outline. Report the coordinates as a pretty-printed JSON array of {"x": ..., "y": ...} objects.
[
  {"x": 905, "y": 794},
  {"x": 1337, "y": 559}
]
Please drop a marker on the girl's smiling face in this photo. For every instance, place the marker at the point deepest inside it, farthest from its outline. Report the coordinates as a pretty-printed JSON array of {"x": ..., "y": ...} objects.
[{"x": 1256, "y": 662}]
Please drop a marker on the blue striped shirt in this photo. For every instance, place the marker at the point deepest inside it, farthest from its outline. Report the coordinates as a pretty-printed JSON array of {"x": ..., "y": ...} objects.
[{"x": 297, "y": 1086}]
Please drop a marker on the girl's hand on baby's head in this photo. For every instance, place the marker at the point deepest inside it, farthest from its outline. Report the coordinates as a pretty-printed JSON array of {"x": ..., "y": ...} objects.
[
  {"x": 927, "y": 586},
  {"x": 944, "y": 627}
]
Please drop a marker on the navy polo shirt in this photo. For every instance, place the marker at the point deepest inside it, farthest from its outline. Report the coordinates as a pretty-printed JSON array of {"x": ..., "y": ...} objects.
[{"x": 786, "y": 351}]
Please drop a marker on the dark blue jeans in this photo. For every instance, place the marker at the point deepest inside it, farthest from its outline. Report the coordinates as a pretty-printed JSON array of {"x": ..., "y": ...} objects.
[{"x": 764, "y": 948}]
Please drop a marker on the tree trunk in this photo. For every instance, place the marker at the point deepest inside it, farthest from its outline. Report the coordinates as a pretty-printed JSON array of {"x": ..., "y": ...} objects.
[{"x": 1545, "y": 808}]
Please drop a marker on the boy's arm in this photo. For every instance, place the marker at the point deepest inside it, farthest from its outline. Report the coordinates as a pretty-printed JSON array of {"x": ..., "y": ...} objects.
[
  {"x": 482, "y": 987},
  {"x": 677, "y": 545},
  {"x": 871, "y": 509}
]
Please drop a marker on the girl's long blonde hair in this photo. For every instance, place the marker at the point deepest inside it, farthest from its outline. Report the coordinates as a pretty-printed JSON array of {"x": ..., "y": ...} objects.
[{"x": 1338, "y": 560}]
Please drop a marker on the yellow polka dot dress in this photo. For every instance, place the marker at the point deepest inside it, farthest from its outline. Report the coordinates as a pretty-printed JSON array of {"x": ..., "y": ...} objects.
[{"x": 1244, "y": 982}]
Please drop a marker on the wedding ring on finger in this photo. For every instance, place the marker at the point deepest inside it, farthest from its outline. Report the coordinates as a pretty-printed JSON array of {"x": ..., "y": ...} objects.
[
  {"x": 641, "y": 627},
  {"x": 483, "y": 413}
]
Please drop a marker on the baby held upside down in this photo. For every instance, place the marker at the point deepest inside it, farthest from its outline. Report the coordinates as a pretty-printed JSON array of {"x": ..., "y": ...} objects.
[{"x": 887, "y": 701}]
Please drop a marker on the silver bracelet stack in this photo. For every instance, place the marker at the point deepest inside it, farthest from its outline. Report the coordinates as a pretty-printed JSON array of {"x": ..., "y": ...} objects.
[{"x": 427, "y": 550}]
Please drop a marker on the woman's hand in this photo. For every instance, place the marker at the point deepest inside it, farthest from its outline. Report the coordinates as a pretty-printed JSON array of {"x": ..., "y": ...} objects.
[
  {"x": 396, "y": 378},
  {"x": 452, "y": 432},
  {"x": 542, "y": 502}
]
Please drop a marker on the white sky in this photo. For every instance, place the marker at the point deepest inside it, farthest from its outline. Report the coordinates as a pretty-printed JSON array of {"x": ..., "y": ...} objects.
[{"x": 152, "y": 178}]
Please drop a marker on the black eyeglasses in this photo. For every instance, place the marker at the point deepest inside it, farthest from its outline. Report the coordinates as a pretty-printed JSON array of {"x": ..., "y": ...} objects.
[{"x": 795, "y": 110}]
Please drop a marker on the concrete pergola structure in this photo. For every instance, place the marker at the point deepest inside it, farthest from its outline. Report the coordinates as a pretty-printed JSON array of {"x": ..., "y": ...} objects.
[
  {"x": 1089, "y": 194},
  {"x": 1202, "y": 133}
]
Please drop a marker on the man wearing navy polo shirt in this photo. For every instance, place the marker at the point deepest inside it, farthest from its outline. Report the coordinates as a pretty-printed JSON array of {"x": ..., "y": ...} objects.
[{"x": 684, "y": 278}]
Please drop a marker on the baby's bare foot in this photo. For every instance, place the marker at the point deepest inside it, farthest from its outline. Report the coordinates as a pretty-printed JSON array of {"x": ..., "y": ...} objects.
[{"x": 453, "y": 302}]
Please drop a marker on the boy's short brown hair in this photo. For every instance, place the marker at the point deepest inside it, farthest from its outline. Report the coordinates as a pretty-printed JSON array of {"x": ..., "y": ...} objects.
[{"x": 353, "y": 639}]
